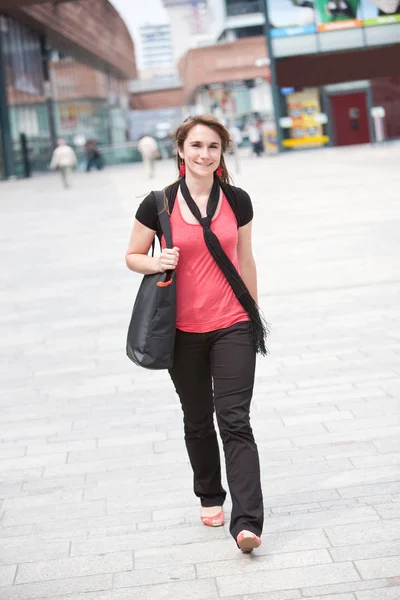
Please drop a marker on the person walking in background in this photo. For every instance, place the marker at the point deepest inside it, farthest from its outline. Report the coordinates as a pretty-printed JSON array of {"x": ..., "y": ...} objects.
[
  {"x": 255, "y": 139},
  {"x": 236, "y": 140},
  {"x": 64, "y": 159},
  {"x": 149, "y": 152},
  {"x": 236, "y": 136},
  {"x": 93, "y": 154},
  {"x": 219, "y": 326}
]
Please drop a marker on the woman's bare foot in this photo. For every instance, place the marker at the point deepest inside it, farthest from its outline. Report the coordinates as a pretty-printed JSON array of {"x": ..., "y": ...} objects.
[
  {"x": 210, "y": 511},
  {"x": 248, "y": 541},
  {"x": 212, "y": 516}
]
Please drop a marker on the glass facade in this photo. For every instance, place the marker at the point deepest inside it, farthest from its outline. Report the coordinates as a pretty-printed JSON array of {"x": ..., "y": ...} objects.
[
  {"x": 235, "y": 8},
  {"x": 89, "y": 103},
  {"x": 51, "y": 94}
]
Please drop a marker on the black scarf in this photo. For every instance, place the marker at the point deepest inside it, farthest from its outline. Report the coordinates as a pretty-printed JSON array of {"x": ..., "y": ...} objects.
[{"x": 260, "y": 328}]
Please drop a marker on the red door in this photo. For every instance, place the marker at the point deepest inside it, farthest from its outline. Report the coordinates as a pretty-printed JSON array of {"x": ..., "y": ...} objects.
[{"x": 350, "y": 119}]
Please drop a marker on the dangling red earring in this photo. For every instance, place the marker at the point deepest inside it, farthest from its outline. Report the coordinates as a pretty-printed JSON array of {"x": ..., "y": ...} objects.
[
  {"x": 219, "y": 172},
  {"x": 182, "y": 169}
]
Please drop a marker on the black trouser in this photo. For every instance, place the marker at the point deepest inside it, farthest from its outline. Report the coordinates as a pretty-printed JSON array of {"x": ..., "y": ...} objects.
[
  {"x": 94, "y": 161},
  {"x": 225, "y": 358}
]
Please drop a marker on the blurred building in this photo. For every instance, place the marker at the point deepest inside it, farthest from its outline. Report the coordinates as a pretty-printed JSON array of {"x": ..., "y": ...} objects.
[
  {"x": 235, "y": 19},
  {"x": 156, "y": 53},
  {"x": 336, "y": 66},
  {"x": 225, "y": 79},
  {"x": 64, "y": 71},
  {"x": 198, "y": 23},
  {"x": 190, "y": 25},
  {"x": 156, "y": 107},
  {"x": 217, "y": 46},
  {"x": 337, "y": 71}
]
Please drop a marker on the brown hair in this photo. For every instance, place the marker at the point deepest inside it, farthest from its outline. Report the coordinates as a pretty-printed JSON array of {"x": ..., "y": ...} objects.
[{"x": 213, "y": 123}]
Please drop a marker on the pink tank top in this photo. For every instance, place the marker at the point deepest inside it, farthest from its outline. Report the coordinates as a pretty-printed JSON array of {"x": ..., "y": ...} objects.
[{"x": 205, "y": 300}]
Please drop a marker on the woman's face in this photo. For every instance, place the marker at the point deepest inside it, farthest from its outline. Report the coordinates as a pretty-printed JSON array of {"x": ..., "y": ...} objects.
[{"x": 201, "y": 151}]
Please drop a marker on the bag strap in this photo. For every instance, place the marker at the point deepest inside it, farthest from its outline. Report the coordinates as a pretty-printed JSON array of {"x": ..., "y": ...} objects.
[
  {"x": 164, "y": 221},
  {"x": 164, "y": 218}
]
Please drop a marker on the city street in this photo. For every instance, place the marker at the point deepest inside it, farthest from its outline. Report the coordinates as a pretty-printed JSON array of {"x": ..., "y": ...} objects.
[{"x": 96, "y": 498}]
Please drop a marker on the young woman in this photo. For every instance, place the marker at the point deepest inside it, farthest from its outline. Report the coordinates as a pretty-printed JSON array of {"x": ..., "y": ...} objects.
[{"x": 219, "y": 328}]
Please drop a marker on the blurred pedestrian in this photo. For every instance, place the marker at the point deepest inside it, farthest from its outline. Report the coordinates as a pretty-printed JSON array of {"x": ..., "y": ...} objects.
[
  {"x": 236, "y": 137},
  {"x": 64, "y": 159},
  {"x": 93, "y": 154},
  {"x": 219, "y": 326},
  {"x": 149, "y": 152},
  {"x": 255, "y": 137}
]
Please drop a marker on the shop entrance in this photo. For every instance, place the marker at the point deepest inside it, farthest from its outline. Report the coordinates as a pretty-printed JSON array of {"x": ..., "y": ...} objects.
[{"x": 350, "y": 119}]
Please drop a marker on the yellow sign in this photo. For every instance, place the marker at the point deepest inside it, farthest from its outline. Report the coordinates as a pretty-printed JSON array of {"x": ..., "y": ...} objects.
[
  {"x": 310, "y": 141},
  {"x": 270, "y": 141},
  {"x": 303, "y": 108}
]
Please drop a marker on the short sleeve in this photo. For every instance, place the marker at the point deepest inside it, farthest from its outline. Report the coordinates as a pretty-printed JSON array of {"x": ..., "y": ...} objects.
[
  {"x": 146, "y": 214},
  {"x": 245, "y": 209}
]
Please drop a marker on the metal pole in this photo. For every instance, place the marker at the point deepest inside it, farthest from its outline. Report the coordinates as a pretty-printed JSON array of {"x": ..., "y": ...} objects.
[
  {"x": 276, "y": 100},
  {"x": 48, "y": 90},
  {"x": 5, "y": 126}
]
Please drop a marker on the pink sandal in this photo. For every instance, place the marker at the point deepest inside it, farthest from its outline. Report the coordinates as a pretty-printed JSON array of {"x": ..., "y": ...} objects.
[
  {"x": 248, "y": 541},
  {"x": 215, "y": 521}
]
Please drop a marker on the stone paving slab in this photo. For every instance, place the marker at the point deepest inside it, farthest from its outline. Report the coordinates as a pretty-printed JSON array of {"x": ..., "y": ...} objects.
[
  {"x": 365, "y": 589},
  {"x": 95, "y": 485}
]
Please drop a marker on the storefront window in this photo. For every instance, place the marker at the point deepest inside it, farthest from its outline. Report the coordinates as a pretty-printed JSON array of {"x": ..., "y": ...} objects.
[
  {"x": 85, "y": 103},
  {"x": 22, "y": 57},
  {"x": 25, "y": 91},
  {"x": 304, "y": 127}
]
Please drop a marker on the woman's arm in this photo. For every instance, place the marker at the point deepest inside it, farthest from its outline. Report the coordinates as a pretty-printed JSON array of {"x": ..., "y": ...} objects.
[
  {"x": 139, "y": 244},
  {"x": 247, "y": 265}
]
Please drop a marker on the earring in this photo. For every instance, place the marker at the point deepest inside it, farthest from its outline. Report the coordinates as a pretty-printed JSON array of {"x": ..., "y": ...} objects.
[
  {"x": 182, "y": 169},
  {"x": 219, "y": 172}
]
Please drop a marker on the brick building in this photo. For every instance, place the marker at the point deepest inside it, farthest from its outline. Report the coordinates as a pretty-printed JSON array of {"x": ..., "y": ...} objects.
[
  {"x": 337, "y": 74},
  {"x": 64, "y": 71},
  {"x": 224, "y": 79}
]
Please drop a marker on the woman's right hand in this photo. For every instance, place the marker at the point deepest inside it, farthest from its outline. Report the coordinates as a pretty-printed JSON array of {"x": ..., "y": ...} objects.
[{"x": 168, "y": 259}]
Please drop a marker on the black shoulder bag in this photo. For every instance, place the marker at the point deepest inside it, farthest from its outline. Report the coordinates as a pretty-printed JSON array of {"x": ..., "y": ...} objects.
[{"x": 151, "y": 333}]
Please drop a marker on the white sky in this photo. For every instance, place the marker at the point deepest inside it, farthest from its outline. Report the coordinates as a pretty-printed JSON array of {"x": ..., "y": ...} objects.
[{"x": 138, "y": 12}]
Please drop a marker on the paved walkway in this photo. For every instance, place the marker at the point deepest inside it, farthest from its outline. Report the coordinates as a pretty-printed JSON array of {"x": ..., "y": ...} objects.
[{"x": 96, "y": 500}]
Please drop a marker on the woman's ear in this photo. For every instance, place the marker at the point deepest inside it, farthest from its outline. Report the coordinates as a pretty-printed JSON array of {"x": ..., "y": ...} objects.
[{"x": 180, "y": 154}]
